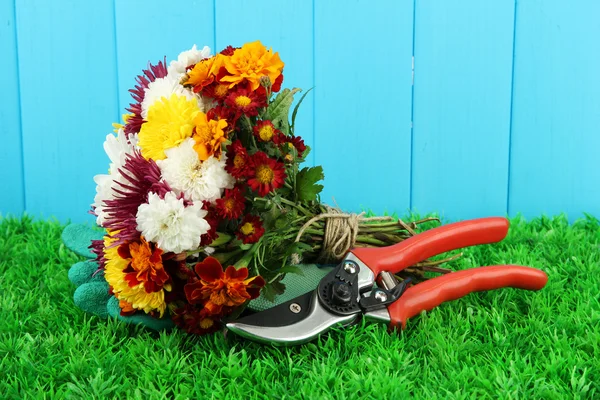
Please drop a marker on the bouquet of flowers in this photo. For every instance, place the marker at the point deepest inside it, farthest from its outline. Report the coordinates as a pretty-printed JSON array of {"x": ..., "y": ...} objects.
[{"x": 205, "y": 204}]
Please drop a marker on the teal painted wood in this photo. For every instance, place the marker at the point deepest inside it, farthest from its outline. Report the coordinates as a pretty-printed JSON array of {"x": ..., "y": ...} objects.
[
  {"x": 461, "y": 114},
  {"x": 149, "y": 30},
  {"x": 68, "y": 101},
  {"x": 287, "y": 28},
  {"x": 556, "y": 109},
  {"x": 12, "y": 200},
  {"x": 363, "y": 63}
]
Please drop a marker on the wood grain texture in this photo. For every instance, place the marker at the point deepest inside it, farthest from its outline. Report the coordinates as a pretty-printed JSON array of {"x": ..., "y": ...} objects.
[
  {"x": 149, "y": 30},
  {"x": 462, "y": 99},
  {"x": 363, "y": 74},
  {"x": 556, "y": 109},
  {"x": 12, "y": 200},
  {"x": 68, "y": 99},
  {"x": 287, "y": 28}
]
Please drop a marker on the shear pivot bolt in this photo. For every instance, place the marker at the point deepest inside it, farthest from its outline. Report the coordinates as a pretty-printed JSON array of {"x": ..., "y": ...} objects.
[
  {"x": 380, "y": 296},
  {"x": 295, "y": 308},
  {"x": 350, "y": 267}
]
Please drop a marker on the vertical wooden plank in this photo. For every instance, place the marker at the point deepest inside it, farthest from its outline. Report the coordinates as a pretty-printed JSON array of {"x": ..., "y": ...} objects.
[
  {"x": 287, "y": 27},
  {"x": 68, "y": 98},
  {"x": 11, "y": 175},
  {"x": 363, "y": 62},
  {"x": 462, "y": 99},
  {"x": 556, "y": 109},
  {"x": 149, "y": 30}
]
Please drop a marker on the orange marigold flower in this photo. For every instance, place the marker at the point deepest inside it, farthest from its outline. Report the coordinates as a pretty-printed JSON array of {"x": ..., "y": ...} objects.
[
  {"x": 231, "y": 205},
  {"x": 217, "y": 289},
  {"x": 126, "y": 308},
  {"x": 267, "y": 174},
  {"x": 204, "y": 72},
  {"x": 145, "y": 266},
  {"x": 208, "y": 135},
  {"x": 250, "y": 63},
  {"x": 251, "y": 229},
  {"x": 265, "y": 131}
]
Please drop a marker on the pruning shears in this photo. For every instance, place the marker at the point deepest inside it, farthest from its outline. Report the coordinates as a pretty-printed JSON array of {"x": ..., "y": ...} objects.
[{"x": 364, "y": 285}]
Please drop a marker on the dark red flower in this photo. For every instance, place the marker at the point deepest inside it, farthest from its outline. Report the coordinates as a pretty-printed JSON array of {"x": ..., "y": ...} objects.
[
  {"x": 222, "y": 112},
  {"x": 213, "y": 220},
  {"x": 250, "y": 230},
  {"x": 141, "y": 177},
  {"x": 266, "y": 174},
  {"x": 195, "y": 319},
  {"x": 244, "y": 101},
  {"x": 232, "y": 205},
  {"x": 238, "y": 161},
  {"x": 276, "y": 87},
  {"x": 134, "y": 123},
  {"x": 265, "y": 131},
  {"x": 229, "y": 50},
  {"x": 216, "y": 91}
]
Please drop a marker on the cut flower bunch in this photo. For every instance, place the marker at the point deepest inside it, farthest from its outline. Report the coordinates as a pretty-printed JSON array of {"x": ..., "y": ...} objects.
[{"x": 205, "y": 204}]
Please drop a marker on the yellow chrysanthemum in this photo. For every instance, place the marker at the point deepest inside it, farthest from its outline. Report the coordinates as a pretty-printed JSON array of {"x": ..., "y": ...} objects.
[
  {"x": 136, "y": 295},
  {"x": 170, "y": 122},
  {"x": 250, "y": 63},
  {"x": 209, "y": 136}
]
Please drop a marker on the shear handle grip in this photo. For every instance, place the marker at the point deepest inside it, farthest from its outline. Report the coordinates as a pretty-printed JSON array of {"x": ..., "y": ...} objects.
[
  {"x": 438, "y": 240},
  {"x": 431, "y": 293}
]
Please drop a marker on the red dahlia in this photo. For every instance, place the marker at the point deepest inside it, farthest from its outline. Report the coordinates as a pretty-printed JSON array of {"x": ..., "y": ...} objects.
[
  {"x": 232, "y": 205},
  {"x": 266, "y": 174},
  {"x": 250, "y": 230}
]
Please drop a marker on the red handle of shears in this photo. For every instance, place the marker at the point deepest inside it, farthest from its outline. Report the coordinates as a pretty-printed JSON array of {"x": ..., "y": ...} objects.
[
  {"x": 433, "y": 292},
  {"x": 433, "y": 242}
]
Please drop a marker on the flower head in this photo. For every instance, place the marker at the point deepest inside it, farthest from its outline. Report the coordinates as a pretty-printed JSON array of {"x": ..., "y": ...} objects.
[
  {"x": 250, "y": 63},
  {"x": 195, "y": 319},
  {"x": 209, "y": 134},
  {"x": 205, "y": 72},
  {"x": 265, "y": 131},
  {"x": 145, "y": 267},
  {"x": 134, "y": 295},
  {"x": 238, "y": 160},
  {"x": 245, "y": 101},
  {"x": 134, "y": 123},
  {"x": 170, "y": 122},
  {"x": 197, "y": 180},
  {"x": 170, "y": 224},
  {"x": 187, "y": 58},
  {"x": 232, "y": 205},
  {"x": 267, "y": 174},
  {"x": 165, "y": 88},
  {"x": 250, "y": 230},
  {"x": 217, "y": 289}
]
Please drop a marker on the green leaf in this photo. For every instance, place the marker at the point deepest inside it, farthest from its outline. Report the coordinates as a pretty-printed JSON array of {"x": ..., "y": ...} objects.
[
  {"x": 291, "y": 269},
  {"x": 273, "y": 289},
  {"x": 296, "y": 109},
  {"x": 306, "y": 183},
  {"x": 279, "y": 110}
]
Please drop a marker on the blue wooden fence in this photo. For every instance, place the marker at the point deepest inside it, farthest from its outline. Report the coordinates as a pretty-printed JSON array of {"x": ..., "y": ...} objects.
[{"x": 464, "y": 107}]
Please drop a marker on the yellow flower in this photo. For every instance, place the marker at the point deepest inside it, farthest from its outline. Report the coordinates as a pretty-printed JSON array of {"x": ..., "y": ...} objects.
[
  {"x": 250, "y": 63},
  {"x": 170, "y": 122},
  {"x": 135, "y": 295},
  {"x": 208, "y": 136},
  {"x": 117, "y": 125}
]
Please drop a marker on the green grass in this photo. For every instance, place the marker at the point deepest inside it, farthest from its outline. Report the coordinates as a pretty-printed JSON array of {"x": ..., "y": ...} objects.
[{"x": 502, "y": 344}]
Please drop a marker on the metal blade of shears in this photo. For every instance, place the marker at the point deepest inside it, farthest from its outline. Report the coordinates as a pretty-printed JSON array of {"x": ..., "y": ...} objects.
[{"x": 294, "y": 322}]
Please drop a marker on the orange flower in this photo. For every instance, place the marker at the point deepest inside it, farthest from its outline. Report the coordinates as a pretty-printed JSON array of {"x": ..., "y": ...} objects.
[
  {"x": 145, "y": 266},
  {"x": 204, "y": 72},
  {"x": 208, "y": 135},
  {"x": 251, "y": 62},
  {"x": 217, "y": 289}
]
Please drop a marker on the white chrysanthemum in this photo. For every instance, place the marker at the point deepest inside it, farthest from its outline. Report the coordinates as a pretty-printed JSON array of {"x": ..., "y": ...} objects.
[
  {"x": 116, "y": 147},
  {"x": 198, "y": 180},
  {"x": 187, "y": 58},
  {"x": 166, "y": 87},
  {"x": 170, "y": 224}
]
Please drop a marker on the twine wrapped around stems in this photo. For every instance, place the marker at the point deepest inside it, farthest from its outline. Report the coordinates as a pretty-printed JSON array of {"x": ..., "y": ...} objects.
[{"x": 341, "y": 230}]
